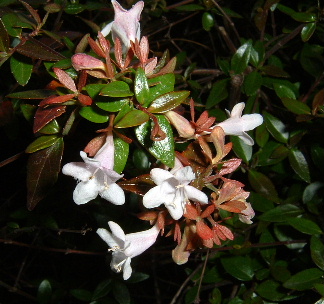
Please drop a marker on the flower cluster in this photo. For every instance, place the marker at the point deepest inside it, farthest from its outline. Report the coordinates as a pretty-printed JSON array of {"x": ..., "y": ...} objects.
[{"x": 193, "y": 189}]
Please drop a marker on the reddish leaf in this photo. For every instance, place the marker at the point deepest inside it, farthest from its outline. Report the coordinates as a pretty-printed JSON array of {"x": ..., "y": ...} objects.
[
  {"x": 6, "y": 112},
  {"x": 191, "y": 212},
  {"x": 139, "y": 185},
  {"x": 233, "y": 206},
  {"x": 65, "y": 79},
  {"x": 95, "y": 144},
  {"x": 208, "y": 211},
  {"x": 230, "y": 166},
  {"x": 42, "y": 171},
  {"x": 32, "y": 12},
  {"x": 204, "y": 231},
  {"x": 44, "y": 116},
  {"x": 85, "y": 100},
  {"x": 37, "y": 50},
  {"x": 55, "y": 99}
]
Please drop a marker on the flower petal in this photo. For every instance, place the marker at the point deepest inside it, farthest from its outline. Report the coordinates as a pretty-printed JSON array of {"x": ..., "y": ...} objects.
[
  {"x": 117, "y": 231},
  {"x": 159, "y": 175},
  {"x": 196, "y": 195},
  {"x": 109, "y": 238},
  {"x": 113, "y": 194},
  {"x": 86, "y": 191},
  {"x": 237, "y": 110},
  {"x": 185, "y": 175},
  {"x": 78, "y": 170},
  {"x": 251, "y": 121},
  {"x": 153, "y": 198},
  {"x": 107, "y": 29},
  {"x": 247, "y": 139},
  {"x": 127, "y": 272},
  {"x": 176, "y": 209}
]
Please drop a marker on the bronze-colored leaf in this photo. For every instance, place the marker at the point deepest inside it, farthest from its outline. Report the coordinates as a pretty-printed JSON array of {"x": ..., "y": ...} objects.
[
  {"x": 42, "y": 171},
  {"x": 44, "y": 116},
  {"x": 139, "y": 185}
]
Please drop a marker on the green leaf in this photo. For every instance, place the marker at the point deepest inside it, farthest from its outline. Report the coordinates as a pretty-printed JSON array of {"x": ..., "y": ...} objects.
[
  {"x": 94, "y": 114},
  {"x": 241, "y": 149},
  {"x": 4, "y": 38},
  {"x": 28, "y": 111},
  {"x": 313, "y": 197},
  {"x": 21, "y": 67},
  {"x": 42, "y": 142},
  {"x": 162, "y": 150},
  {"x": 240, "y": 267},
  {"x": 112, "y": 106},
  {"x": 141, "y": 160},
  {"x": 168, "y": 101},
  {"x": 121, "y": 293},
  {"x": 121, "y": 154},
  {"x": 132, "y": 118},
  {"x": 32, "y": 94},
  {"x": 308, "y": 31},
  {"x": 284, "y": 91},
  {"x": 298, "y": 162},
  {"x": 51, "y": 128},
  {"x": 138, "y": 277},
  {"x": 304, "y": 279},
  {"x": 81, "y": 294},
  {"x": 207, "y": 21},
  {"x": 44, "y": 292},
  {"x": 217, "y": 93},
  {"x": 296, "y": 106},
  {"x": 275, "y": 71},
  {"x": 116, "y": 89},
  {"x": 74, "y": 8},
  {"x": 272, "y": 290},
  {"x": 281, "y": 213},
  {"x": 268, "y": 253},
  {"x": 303, "y": 17},
  {"x": 262, "y": 185},
  {"x": 101, "y": 290},
  {"x": 276, "y": 128},
  {"x": 141, "y": 87},
  {"x": 252, "y": 83},
  {"x": 160, "y": 85},
  {"x": 261, "y": 135},
  {"x": 304, "y": 225},
  {"x": 311, "y": 59},
  {"x": 241, "y": 58},
  {"x": 42, "y": 171},
  {"x": 10, "y": 22},
  {"x": 317, "y": 251}
]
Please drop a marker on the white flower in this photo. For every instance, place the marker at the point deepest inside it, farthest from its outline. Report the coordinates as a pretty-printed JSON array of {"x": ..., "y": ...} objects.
[
  {"x": 126, "y": 246},
  {"x": 96, "y": 176},
  {"x": 126, "y": 24},
  {"x": 237, "y": 124},
  {"x": 247, "y": 214},
  {"x": 173, "y": 190}
]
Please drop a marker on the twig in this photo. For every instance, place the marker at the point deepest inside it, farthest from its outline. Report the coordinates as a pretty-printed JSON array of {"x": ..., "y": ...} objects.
[
  {"x": 16, "y": 290},
  {"x": 197, "y": 299},
  {"x": 11, "y": 159}
]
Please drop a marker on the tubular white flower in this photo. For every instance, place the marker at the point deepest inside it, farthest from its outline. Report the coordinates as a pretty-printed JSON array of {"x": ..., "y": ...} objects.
[
  {"x": 247, "y": 214},
  {"x": 126, "y": 246},
  {"x": 96, "y": 176},
  {"x": 173, "y": 190},
  {"x": 237, "y": 124},
  {"x": 126, "y": 24}
]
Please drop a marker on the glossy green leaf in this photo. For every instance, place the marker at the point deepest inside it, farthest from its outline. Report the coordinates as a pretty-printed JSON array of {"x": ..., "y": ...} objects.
[
  {"x": 28, "y": 111},
  {"x": 10, "y": 22},
  {"x": 279, "y": 270},
  {"x": 257, "y": 53},
  {"x": 116, "y": 89},
  {"x": 207, "y": 21},
  {"x": 296, "y": 106},
  {"x": 44, "y": 292},
  {"x": 138, "y": 277},
  {"x": 317, "y": 154},
  {"x": 102, "y": 290},
  {"x": 276, "y": 128},
  {"x": 81, "y": 294},
  {"x": 284, "y": 91},
  {"x": 241, "y": 149},
  {"x": 217, "y": 93},
  {"x": 240, "y": 267},
  {"x": 262, "y": 185},
  {"x": 252, "y": 83},
  {"x": 299, "y": 163},
  {"x": 281, "y": 213},
  {"x": 261, "y": 135},
  {"x": 303, "y": 17},
  {"x": 141, "y": 160},
  {"x": 94, "y": 90},
  {"x": 121, "y": 293},
  {"x": 313, "y": 197},
  {"x": 241, "y": 58},
  {"x": 112, "y": 106},
  {"x": 308, "y": 31},
  {"x": 51, "y": 128},
  {"x": 162, "y": 150},
  {"x": 32, "y": 94},
  {"x": 4, "y": 38},
  {"x": 42, "y": 142},
  {"x": 317, "y": 251},
  {"x": 141, "y": 87},
  {"x": 272, "y": 291},
  {"x": 304, "y": 279},
  {"x": 94, "y": 114},
  {"x": 132, "y": 118},
  {"x": 168, "y": 101},
  {"x": 267, "y": 253},
  {"x": 305, "y": 225},
  {"x": 311, "y": 59},
  {"x": 160, "y": 85},
  {"x": 21, "y": 67},
  {"x": 274, "y": 71},
  {"x": 121, "y": 154},
  {"x": 42, "y": 171},
  {"x": 74, "y": 8}
]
